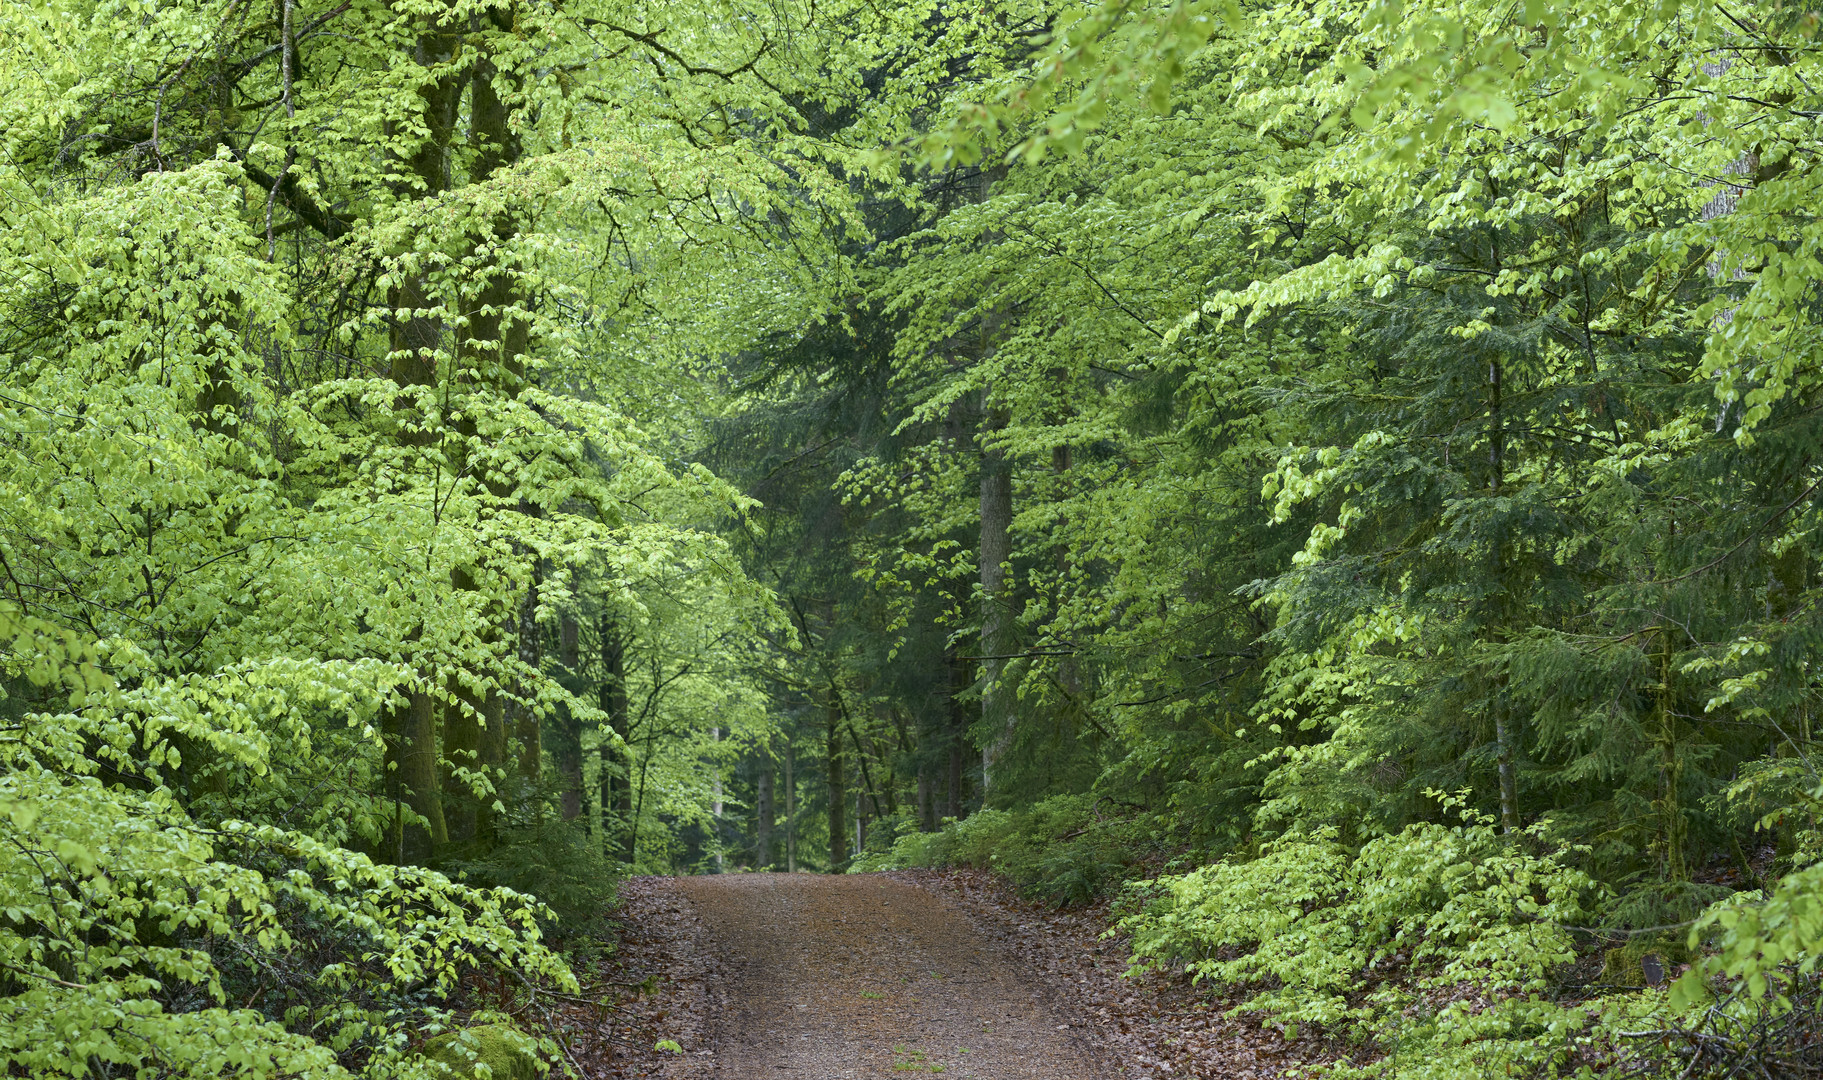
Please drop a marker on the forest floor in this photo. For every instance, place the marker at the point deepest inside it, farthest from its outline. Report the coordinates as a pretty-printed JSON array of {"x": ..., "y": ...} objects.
[{"x": 887, "y": 975}]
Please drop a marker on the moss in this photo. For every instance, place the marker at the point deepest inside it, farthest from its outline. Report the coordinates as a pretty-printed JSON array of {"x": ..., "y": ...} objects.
[
  {"x": 1627, "y": 965},
  {"x": 498, "y": 1046}
]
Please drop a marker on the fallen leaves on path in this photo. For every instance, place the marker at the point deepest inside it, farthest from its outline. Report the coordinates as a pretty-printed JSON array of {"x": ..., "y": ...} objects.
[{"x": 653, "y": 987}]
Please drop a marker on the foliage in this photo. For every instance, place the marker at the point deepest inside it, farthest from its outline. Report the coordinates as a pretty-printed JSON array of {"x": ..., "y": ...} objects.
[
  {"x": 1437, "y": 943},
  {"x": 1060, "y": 849},
  {"x": 535, "y": 441}
]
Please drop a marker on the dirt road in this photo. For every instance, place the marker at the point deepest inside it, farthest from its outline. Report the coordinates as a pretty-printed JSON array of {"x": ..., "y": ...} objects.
[{"x": 831, "y": 978}]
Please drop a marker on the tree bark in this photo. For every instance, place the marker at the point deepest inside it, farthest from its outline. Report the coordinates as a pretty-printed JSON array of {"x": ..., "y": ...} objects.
[
  {"x": 715, "y": 805},
  {"x": 927, "y": 804},
  {"x": 526, "y": 725},
  {"x": 414, "y": 335},
  {"x": 958, "y": 736},
  {"x": 494, "y": 753},
  {"x": 791, "y": 809},
  {"x": 999, "y": 715},
  {"x": 1069, "y": 677},
  {"x": 1503, "y": 735},
  {"x": 462, "y": 723},
  {"x": 763, "y": 809},
  {"x": 838, "y": 786},
  {"x": 477, "y": 729},
  {"x": 412, "y": 763},
  {"x": 566, "y": 729},
  {"x": 616, "y": 774}
]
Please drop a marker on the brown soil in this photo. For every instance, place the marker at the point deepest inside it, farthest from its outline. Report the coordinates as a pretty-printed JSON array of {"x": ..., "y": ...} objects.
[
  {"x": 771, "y": 975},
  {"x": 829, "y": 978}
]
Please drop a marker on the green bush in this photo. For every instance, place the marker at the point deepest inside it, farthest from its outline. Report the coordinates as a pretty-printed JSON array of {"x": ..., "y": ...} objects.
[
  {"x": 1066, "y": 849},
  {"x": 557, "y": 861},
  {"x": 1434, "y": 945}
]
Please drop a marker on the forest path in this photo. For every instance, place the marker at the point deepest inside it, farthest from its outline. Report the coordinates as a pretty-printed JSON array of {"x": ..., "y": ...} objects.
[{"x": 838, "y": 977}]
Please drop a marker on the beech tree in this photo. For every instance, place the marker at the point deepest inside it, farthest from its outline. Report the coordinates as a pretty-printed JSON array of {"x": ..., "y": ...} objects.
[{"x": 457, "y": 453}]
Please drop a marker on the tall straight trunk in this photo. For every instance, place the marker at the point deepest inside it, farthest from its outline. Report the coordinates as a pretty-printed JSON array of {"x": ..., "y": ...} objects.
[
  {"x": 531, "y": 654},
  {"x": 566, "y": 729},
  {"x": 838, "y": 786},
  {"x": 412, "y": 762},
  {"x": 493, "y": 328},
  {"x": 763, "y": 809},
  {"x": 495, "y": 750},
  {"x": 958, "y": 735},
  {"x": 999, "y": 716},
  {"x": 475, "y": 731},
  {"x": 860, "y": 826},
  {"x": 415, "y": 334},
  {"x": 1069, "y": 677},
  {"x": 1671, "y": 771},
  {"x": 1503, "y": 734},
  {"x": 791, "y": 809},
  {"x": 927, "y": 803},
  {"x": 616, "y": 765},
  {"x": 715, "y": 804},
  {"x": 462, "y": 733}
]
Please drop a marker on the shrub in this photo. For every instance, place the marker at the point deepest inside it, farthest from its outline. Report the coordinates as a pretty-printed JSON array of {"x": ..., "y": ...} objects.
[
  {"x": 1066, "y": 849},
  {"x": 1432, "y": 946}
]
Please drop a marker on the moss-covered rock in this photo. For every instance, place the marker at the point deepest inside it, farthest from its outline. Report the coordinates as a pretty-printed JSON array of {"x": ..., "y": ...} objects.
[
  {"x": 498, "y": 1046},
  {"x": 1646, "y": 962}
]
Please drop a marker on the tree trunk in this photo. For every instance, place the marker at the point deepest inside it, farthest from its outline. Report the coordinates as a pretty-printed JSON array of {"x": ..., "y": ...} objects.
[
  {"x": 791, "y": 810},
  {"x": 927, "y": 804},
  {"x": 414, "y": 335},
  {"x": 494, "y": 753},
  {"x": 958, "y": 735},
  {"x": 411, "y": 753},
  {"x": 1503, "y": 735},
  {"x": 531, "y": 746},
  {"x": 763, "y": 810},
  {"x": 1069, "y": 678},
  {"x": 838, "y": 786},
  {"x": 617, "y": 774},
  {"x": 566, "y": 733},
  {"x": 1671, "y": 766},
  {"x": 715, "y": 804},
  {"x": 475, "y": 733},
  {"x": 462, "y": 723},
  {"x": 999, "y": 715}
]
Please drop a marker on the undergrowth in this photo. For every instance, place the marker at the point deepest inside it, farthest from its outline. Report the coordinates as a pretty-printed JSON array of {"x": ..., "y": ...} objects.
[
  {"x": 1068, "y": 849},
  {"x": 1439, "y": 952}
]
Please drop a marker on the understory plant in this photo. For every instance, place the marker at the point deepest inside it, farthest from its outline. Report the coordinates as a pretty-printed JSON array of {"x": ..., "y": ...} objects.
[
  {"x": 1431, "y": 949},
  {"x": 1067, "y": 849}
]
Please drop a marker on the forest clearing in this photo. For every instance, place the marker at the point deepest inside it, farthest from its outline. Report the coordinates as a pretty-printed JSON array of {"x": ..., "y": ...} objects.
[{"x": 1229, "y": 538}]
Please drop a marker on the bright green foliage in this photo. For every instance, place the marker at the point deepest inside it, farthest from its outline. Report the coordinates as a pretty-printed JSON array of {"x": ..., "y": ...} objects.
[
  {"x": 1066, "y": 849},
  {"x": 1761, "y": 941},
  {"x": 1428, "y": 939},
  {"x": 341, "y": 350},
  {"x": 526, "y": 440},
  {"x": 1395, "y": 399}
]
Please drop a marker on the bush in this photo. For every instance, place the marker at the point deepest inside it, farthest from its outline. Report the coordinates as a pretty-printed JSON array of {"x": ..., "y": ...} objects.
[
  {"x": 554, "y": 860},
  {"x": 1433, "y": 946},
  {"x": 1066, "y": 849}
]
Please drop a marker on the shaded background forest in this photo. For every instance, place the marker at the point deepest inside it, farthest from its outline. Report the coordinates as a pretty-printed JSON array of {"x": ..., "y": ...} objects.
[{"x": 1352, "y": 471}]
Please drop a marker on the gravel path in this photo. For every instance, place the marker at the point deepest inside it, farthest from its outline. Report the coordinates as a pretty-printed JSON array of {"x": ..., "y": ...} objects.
[{"x": 830, "y": 978}]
